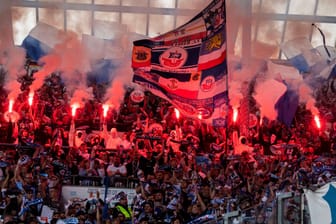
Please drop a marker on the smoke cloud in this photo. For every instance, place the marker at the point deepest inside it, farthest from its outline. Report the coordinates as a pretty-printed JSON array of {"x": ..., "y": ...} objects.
[
  {"x": 70, "y": 59},
  {"x": 75, "y": 56},
  {"x": 11, "y": 58},
  {"x": 265, "y": 45}
]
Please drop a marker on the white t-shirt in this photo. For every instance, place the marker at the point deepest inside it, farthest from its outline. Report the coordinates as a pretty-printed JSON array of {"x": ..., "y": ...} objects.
[{"x": 112, "y": 170}]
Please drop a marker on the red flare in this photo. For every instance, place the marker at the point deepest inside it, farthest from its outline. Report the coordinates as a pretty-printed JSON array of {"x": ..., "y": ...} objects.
[
  {"x": 10, "y": 107},
  {"x": 235, "y": 115},
  {"x": 177, "y": 113},
  {"x": 317, "y": 121},
  {"x": 30, "y": 98},
  {"x": 74, "y": 108},
  {"x": 105, "y": 109}
]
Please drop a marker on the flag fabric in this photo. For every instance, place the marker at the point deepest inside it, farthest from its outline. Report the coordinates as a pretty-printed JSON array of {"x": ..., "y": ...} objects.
[
  {"x": 102, "y": 71},
  {"x": 303, "y": 56},
  {"x": 332, "y": 74},
  {"x": 187, "y": 66},
  {"x": 287, "y": 106},
  {"x": 322, "y": 204},
  {"x": 41, "y": 40},
  {"x": 267, "y": 95}
]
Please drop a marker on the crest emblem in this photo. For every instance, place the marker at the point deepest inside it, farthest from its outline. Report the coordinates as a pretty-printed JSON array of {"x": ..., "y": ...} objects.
[
  {"x": 174, "y": 57},
  {"x": 208, "y": 83},
  {"x": 172, "y": 84},
  {"x": 137, "y": 96},
  {"x": 141, "y": 54}
]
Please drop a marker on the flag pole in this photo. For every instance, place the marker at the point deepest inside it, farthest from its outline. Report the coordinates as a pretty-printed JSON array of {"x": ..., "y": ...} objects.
[
  {"x": 227, "y": 115},
  {"x": 227, "y": 88},
  {"x": 302, "y": 208}
]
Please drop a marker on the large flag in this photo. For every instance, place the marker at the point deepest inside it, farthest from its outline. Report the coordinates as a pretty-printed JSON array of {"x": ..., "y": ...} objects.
[
  {"x": 41, "y": 40},
  {"x": 322, "y": 204},
  {"x": 187, "y": 66}
]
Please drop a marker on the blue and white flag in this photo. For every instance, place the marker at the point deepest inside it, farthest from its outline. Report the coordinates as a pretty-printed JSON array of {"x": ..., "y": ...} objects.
[
  {"x": 305, "y": 58},
  {"x": 322, "y": 204},
  {"x": 41, "y": 40},
  {"x": 187, "y": 66}
]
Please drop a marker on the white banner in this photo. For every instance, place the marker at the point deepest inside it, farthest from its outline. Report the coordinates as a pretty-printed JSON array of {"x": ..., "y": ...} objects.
[{"x": 322, "y": 204}]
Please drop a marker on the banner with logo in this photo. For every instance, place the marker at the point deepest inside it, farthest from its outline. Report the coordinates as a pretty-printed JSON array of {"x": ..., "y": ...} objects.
[{"x": 187, "y": 66}]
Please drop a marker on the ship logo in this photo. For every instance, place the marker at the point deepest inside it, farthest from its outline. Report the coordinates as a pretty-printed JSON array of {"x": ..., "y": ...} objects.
[{"x": 174, "y": 57}]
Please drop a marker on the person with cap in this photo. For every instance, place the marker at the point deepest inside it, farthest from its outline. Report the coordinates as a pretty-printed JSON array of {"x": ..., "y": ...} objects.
[{"x": 122, "y": 207}]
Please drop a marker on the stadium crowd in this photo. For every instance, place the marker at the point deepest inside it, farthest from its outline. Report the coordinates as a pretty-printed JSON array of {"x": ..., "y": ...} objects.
[{"x": 182, "y": 170}]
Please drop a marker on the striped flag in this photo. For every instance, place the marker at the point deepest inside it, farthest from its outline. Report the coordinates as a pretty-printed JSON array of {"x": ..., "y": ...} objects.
[
  {"x": 187, "y": 66},
  {"x": 322, "y": 204}
]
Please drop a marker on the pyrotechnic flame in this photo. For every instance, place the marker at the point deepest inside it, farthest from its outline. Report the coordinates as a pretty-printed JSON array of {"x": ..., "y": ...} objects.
[
  {"x": 10, "y": 107},
  {"x": 30, "y": 98},
  {"x": 235, "y": 114},
  {"x": 105, "y": 109},
  {"x": 317, "y": 121},
  {"x": 177, "y": 113},
  {"x": 74, "y": 108},
  {"x": 199, "y": 116}
]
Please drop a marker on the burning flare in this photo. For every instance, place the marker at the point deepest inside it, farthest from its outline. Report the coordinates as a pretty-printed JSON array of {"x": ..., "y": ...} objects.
[
  {"x": 105, "y": 109},
  {"x": 235, "y": 114},
  {"x": 10, "y": 107},
  {"x": 177, "y": 113},
  {"x": 74, "y": 107},
  {"x": 317, "y": 121},
  {"x": 11, "y": 115},
  {"x": 30, "y": 98}
]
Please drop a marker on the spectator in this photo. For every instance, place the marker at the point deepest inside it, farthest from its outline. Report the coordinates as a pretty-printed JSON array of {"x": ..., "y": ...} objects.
[
  {"x": 160, "y": 208},
  {"x": 126, "y": 143},
  {"x": 147, "y": 213},
  {"x": 121, "y": 210},
  {"x": 113, "y": 141},
  {"x": 133, "y": 165},
  {"x": 117, "y": 172},
  {"x": 147, "y": 162},
  {"x": 79, "y": 138}
]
